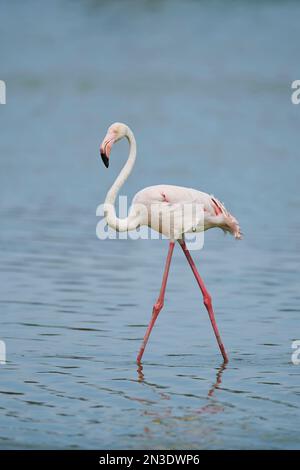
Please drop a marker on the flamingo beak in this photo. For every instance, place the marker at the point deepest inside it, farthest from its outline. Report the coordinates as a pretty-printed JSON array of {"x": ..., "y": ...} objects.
[
  {"x": 105, "y": 149},
  {"x": 105, "y": 158}
]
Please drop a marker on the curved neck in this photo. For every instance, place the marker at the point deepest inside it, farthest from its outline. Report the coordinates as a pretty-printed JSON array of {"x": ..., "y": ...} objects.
[{"x": 130, "y": 222}]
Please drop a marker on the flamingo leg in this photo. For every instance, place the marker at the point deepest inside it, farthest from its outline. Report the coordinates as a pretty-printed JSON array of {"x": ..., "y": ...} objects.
[
  {"x": 159, "y": 303},
  {"x": 206, "y": 299}
]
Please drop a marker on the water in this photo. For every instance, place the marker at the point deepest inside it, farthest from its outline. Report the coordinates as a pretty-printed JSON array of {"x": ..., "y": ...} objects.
[{"x": 206, "y": 88}]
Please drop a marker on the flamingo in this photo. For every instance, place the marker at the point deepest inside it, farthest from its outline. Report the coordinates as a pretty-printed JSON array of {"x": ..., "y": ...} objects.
[{"x": 165, "y": 199}]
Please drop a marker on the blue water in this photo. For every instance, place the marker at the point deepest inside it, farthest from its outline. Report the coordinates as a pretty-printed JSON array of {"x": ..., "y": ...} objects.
[{"x": 206, "y": 88}]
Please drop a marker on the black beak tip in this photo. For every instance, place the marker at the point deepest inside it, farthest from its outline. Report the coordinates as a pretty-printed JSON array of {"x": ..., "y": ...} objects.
[{"x": 105, "y": 159}]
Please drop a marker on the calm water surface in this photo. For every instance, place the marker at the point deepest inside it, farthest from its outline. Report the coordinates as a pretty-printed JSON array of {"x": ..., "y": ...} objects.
[{"x": 206, "y": 88}]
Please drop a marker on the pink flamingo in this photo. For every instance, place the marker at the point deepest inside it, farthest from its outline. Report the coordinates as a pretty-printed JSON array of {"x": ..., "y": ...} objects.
[{"x": 165, "y": 199}]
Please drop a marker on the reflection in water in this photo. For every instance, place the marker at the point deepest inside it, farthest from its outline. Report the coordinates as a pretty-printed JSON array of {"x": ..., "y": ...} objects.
[
  {"x": 218, "y": 379},
  {"x": 170, "y": 412},
  {"x": 215, "y": 385},
  {"x": 141, "y": 375}
]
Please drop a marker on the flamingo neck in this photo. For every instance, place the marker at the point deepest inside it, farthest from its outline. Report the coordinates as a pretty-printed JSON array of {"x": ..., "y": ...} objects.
[{"x": 130, "y": 222}]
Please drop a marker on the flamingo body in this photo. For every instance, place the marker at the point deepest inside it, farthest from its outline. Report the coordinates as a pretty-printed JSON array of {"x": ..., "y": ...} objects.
[{"x": 169, "y": 198}]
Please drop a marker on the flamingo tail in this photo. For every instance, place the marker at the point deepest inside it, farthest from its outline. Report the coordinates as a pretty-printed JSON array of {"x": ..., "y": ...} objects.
[{"x": 227, "y": 222}]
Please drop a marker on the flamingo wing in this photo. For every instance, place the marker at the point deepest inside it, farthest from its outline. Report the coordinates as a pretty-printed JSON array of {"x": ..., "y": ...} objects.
[
  {"x": 170, "y": 210},
  {"x": 173, "y": 220}
]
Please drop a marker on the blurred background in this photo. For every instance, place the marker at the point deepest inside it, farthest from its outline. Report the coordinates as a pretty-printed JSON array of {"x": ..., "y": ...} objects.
[{"x": 206, "y": 88}]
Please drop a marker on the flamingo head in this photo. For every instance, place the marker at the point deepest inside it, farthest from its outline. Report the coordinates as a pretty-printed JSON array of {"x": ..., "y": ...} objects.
[{"x": 114, "y": 133}]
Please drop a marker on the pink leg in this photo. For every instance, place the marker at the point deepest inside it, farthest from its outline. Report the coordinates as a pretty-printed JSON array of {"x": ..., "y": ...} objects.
[
  {"x": 206, "y": 299},
  {"x": 159, "y": 303}
]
